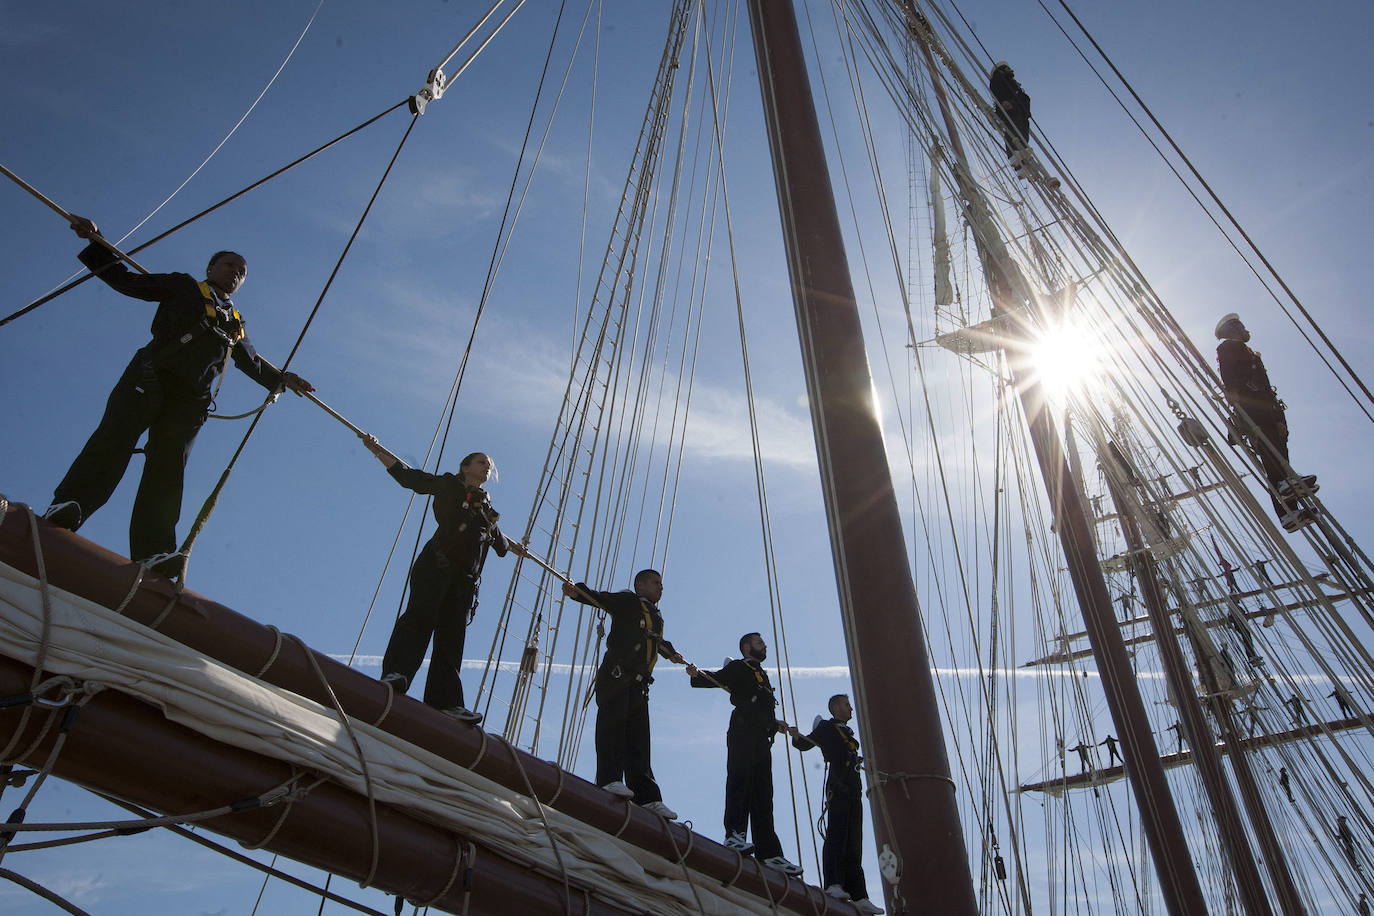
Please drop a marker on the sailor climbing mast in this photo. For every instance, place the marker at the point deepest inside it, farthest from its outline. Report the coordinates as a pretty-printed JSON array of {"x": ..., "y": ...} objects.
[
  {"x": 916, "y": 820},
  {"x": 1178, "y": 879}
]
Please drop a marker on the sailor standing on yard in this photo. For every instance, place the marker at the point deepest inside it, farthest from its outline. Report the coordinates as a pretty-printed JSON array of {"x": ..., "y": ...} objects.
[
  {"x": 749, "y": 752},
  {"x": 633, "y": 647},
  {"x": 167, "y": 389},
  {"x": 842, "y": 854},
  {"x": 1261, "y": 419},
  {"x": 444, "y": 578}
]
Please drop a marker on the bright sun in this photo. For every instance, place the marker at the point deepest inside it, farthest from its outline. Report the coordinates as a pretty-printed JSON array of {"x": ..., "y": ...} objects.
[{"x": 1065, "y": 359}]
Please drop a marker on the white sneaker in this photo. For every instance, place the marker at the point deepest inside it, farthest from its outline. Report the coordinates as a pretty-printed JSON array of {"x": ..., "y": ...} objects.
[
  {"x": 1304, "y": 485},
  {"x": 1295, "y": 519},
  {"x": 619, "y": 789},
  {"x": 867, "y": 906},
  {"x": 462, "y": 714},
  {"x": 662, "y": 810},
  {"x": 837, "y": 892},
  {"x": 172, "y": 565},
  {"x": 739, "y": 843},
  {"x": 784, "y": 866}
]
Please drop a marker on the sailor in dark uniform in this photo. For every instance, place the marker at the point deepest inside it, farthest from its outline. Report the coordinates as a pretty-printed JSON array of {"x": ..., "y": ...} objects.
[
  {"x": 1013, "y": 105},
  {"x": 633, "y": 647},
  {"x": 842, "y": 855},
  {"x": 1261, "y": 419},
  {"x": 166, "y": 389},
  {"x": 444, "y": 578},
  {"x": 749, "y": 752}
]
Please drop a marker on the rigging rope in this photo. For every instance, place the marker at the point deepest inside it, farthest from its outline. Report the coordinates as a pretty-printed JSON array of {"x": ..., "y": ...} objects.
[
  {"x": 204, "y": 515},
  {"x": 82, "y": 278}
]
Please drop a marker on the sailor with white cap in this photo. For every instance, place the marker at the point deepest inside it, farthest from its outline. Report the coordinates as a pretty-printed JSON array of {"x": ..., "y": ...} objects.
[{"x": 1261, "y": 419}]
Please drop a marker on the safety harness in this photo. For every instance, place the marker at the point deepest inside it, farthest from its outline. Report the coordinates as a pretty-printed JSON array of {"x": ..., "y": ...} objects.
[{"x": 228, "y": 328}]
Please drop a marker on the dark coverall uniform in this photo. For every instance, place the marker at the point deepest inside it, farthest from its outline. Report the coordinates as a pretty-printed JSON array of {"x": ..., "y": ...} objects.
[
  {"x": 443, "y": 583},
  {"x": 749, "y": 752},
  {"x": 1246, "y": 383},
  {"x": 633, "y": 647},
  {"x": 166, "y": 389},
  {"x": 1013, "y": 105},
  {"x": 842, "y": 854}
]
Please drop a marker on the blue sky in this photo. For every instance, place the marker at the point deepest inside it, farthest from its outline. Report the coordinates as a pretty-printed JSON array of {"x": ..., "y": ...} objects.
[{"x": 109, "y": 108}]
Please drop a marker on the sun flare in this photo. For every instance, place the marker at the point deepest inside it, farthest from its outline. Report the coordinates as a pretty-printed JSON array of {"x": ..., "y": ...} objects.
[{"x": 1066, "y": 358}]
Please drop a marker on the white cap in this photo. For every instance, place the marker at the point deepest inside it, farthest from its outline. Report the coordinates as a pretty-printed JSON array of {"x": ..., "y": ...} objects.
[{"x": 1225, "y": 320}]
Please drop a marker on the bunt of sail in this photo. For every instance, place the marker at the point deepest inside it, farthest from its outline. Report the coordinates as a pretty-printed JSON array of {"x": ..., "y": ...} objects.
[{"x": 164, "y": 699}]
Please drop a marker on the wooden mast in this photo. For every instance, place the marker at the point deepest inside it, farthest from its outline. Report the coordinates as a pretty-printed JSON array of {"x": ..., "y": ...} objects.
[
  {"x": 916, "y": 819},
  {"x": 1233, "y": 839},
  {"x": 1160, "y": 822}
]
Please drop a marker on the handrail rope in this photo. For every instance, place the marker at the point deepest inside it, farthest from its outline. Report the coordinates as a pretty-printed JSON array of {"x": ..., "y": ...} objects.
[
  {"x": 347, "y": 724},
  {"x": 83, "y": 277},
  {"x": 544, "y": 818},
  {"x": 203, "y": 516}
]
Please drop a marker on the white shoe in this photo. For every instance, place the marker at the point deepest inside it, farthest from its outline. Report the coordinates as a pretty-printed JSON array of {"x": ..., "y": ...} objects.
[
  {"x": 837, "y": 892},
  {"x": 662, "y": 810},
  {"x": 1304, "y": 485},
  {"x": 172, "y": 565},
  {"x": 619, "y": 789},
  {"x": 1295, "y": 519},
  {"x": 867, "y": 906},
  {"x": 739, "y": 843},
  {"x": 784, "y": 866},
  {"x": 462, "y": 714}
]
